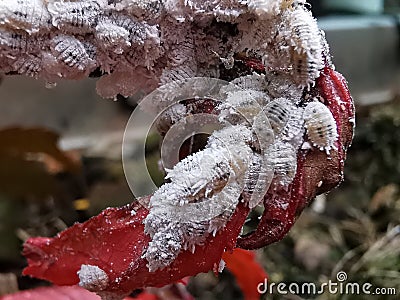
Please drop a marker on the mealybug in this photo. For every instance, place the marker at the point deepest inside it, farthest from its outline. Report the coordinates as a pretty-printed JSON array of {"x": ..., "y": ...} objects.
[
  {"x": 77, "y": 17},
  {"x": 28, "y": 15},
  {"x": 321, "y": 126},
  {"x": 284, "y": 158},
  {"x": 71, "y": 52},
  {"x": 278, "y": 113}
]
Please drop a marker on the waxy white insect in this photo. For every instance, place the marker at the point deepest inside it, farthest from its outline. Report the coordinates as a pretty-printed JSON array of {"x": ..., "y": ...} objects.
[
  {"x": 258, "y": 178},
  {"x": 255, "y": 82},
  {"x": 293, "y": 132},
  {"x": 71, "y": 52},
  {"x": 306, "y": 46},
  {"x": 113, "y": 37},
  {"x": 75, "y": 16},
  {"x": 28, "y": 65},
  {"x": 284, "y": 157},
  {"x": 278, "y": 113},
  {"x": 27, "y": 15},
  {"x": 142, "y": 9},
  {"x": 300, "y": 45},
  {"x": 137, "y": 31},
  {"x": 12, "y": 42},
  {"x": 321, "y": 126},
  {"x": 92, "y": 278},
  {"x": 180, "y": 66}
]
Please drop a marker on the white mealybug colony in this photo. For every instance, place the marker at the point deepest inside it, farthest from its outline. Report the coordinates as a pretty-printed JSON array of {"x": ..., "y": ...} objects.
[
  {"x": 139, "y": 45},
  {"x": 159, "y": 41},
  {"x": 200, "y": 197}
]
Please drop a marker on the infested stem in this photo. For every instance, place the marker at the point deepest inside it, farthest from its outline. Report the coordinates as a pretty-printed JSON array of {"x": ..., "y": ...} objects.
[{"x": 149, "y": 42}]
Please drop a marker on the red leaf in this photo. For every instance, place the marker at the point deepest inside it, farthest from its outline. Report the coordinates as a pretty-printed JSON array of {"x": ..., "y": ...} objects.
[
  {"x": 114, "y": 242},
  {"x": 248, "y": 272}
]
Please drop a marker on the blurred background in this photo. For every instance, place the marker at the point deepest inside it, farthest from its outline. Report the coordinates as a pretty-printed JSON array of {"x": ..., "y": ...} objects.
[{"x": 60, "y": 162}]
